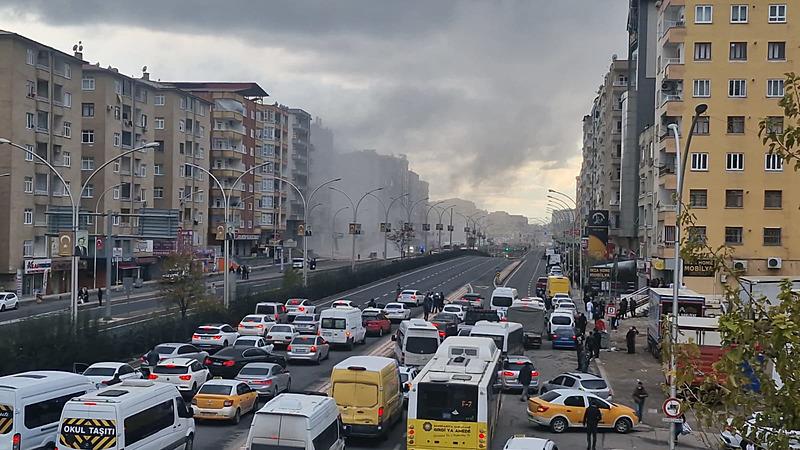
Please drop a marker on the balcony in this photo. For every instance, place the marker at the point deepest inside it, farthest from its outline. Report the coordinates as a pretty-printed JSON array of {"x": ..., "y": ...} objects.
[{"x": 673, "y": 68}]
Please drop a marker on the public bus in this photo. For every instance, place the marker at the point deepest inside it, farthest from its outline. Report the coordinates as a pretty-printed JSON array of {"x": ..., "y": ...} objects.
[{"x": 454, "y": 402}]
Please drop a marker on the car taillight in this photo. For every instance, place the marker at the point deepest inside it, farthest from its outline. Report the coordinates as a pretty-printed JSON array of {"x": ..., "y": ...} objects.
[
  {"x": 534, "y": 373},
  {"x": 195, "y": 336},
  {"x": 289, "y": 348},
  {"x": 555, "y": 336},
  {"x": 276, "y": 317},
  {"x": 227, "y": 403},
  {"x": 503, "y": 319},
  {"x": 301, "y": 309},
  {"x": 542, "y": 408},
  {"x": 264, "y": 382},
  {"x": 441, "y": 333},
  {"x": 313, "y": 349},
  {"x": 269, "y": 336},
  {"x": 380, "y": 411},
  {"x": 259, "y": 326},
  {"x": 228, "y": 363},
  {"x": 16, "y": 441},
  {"x": 413, "y": 297},
  {"x": 508, "y": 374},
  {"x": 573, "y": 336},
  {"x": 194, "y": 401},
  {"x": 152, "y": 376},
  {"x": 185, "y": 377},
  {"x": 207, "y": 361},
  {"x": 217, "y": 337}
]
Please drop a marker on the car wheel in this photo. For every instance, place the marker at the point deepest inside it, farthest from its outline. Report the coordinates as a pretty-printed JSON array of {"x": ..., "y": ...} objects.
[
  {"x": 16, "y": 305},
  {"x": 559, "y": 425},
  {"x": 194, "y": 389},
  {"x": 350, "y": 346},
  {"x": 2, "y": 307},
  {"x": 288, "y": 386},
  {"x": 189, "y": 445},
  {"x": 318, "y": 361},
  {"x": 380, "y": 332},
  {"x": 237, "y": 417},
  {"x": 623, "y": 425},
  {"x": 224, "y": 343}
]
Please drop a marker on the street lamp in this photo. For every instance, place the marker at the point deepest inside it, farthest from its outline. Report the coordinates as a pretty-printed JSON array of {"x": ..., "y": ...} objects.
[
  {"x": 75, "y": 205},
  {"x": 355, "y": 219},
  {"x": 442, "y": 210},
  {"x": 333, "y": 228},
  {"x": 426, "y": 221},
  {"x": 574, "y": 212},
  {"x": 680, "y": 168},
  {"x": 386, "y": 219},
  {"x": 409, "y": 210},
  {"x": 96, "y": 232}
]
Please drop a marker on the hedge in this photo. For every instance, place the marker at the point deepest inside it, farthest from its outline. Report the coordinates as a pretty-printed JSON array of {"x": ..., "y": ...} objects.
[{"x": 47, "y": 343}]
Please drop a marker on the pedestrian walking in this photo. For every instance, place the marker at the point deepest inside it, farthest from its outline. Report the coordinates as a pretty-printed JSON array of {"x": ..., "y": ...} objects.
[
  {"x": 524, "y": 379},
  {"x": 427, "y": 304},
  {"x": 591, "y": 420},
  {"x": 399, "y": 290},
  {"x": 630, "y": 339},
  {"x": 679, "y": 426},
  {"x": 579, "y": 350},
  {"x": 623, "y": 308},
  {"x": 100, "y": 296},
  {"x": 596, "y": 339},
  {"x": 151, "y": 359},
  {"x": 438, "y": 298},
  {"x": 239, "y": 272},
  {"x": 590, "y": 309},
  {"x": 590, "y": 343},
  {"x": 581, "y": 323},
  {"x": 639, "y": 395}
]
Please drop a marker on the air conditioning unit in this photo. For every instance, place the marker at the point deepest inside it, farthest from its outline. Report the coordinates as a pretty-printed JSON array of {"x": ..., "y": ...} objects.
[
  {"x": 669, "y": 85},
  {"x": 774, "y": 262},
  {"x": 723, "y": 278},
  {"x": 740, "y": 265},
  {"x": 109, "y": 107}
]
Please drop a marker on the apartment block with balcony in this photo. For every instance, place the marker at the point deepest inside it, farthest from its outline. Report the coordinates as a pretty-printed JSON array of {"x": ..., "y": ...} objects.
[
  {"x": 731, "y": 57},
  {"x": 182, "y": 126},
  {"x": 299, "y": 163},
  {"x": 40, "y": 109},
  {"x": 273, "y": 147}
]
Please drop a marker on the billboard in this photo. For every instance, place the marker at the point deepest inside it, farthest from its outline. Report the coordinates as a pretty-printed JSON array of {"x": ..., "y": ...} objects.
[{"x": 598, "y": 242}]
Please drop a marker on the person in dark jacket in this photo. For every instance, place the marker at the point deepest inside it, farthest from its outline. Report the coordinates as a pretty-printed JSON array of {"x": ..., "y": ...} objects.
[
  {"x": 623, "y": 308},
  {"x": 441, "y": 302},
  {"x": 579, "y": 350},
  {"x": 590, "y": 345},
  {"x": 100, "y": 296},
  {"x": 151, "y": 359},
  {"x": 524, "y": 379},
  {"x": 630, "y": 339},
  {"x": 581, "y": 323},
  {"x": 639, "y": 395},
  {"x": 591, "y": 420},
  {"x": 596, "y": 338},
  {"x": 427, "y": 306}
]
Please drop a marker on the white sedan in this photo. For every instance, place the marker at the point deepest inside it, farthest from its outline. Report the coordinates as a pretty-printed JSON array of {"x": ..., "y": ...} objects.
[
  {"x": 253, "y": 341},
  {"x": 8, "y": 300},
  {"x": 295, "y": 306},
  {"x": 397, "y": 311},
  {"x": 109, "y": 373},
  {"x": 187, "y": 374},
  {"x": 282, "y": 335},
  {"x": 255, "y": 325},
  {"x": 343, "y": 303},
  {"x": 214, "y": 335},
  {"x": 457, "y": 310},
  {"x": 529, "y": 443}
]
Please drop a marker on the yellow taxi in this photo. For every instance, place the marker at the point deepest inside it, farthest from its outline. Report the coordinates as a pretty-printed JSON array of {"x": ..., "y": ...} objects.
[
  {"x": 561, "y": 409},
  {"x": 224, "y": 400}
]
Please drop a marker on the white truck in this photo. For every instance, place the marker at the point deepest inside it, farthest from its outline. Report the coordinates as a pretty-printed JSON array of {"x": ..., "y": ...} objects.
[{"x": 767, "y": 286}]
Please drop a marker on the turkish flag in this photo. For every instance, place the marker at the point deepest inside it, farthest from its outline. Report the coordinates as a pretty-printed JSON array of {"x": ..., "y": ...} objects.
[{"x": 98, "y": 243}]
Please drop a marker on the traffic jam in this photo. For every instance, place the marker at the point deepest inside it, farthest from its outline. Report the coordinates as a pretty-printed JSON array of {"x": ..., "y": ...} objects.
[{"x": 460, "y": 355}]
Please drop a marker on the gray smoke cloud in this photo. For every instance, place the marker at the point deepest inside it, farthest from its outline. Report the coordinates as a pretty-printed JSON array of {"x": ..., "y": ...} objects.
[{"x": 470, "y": 91}]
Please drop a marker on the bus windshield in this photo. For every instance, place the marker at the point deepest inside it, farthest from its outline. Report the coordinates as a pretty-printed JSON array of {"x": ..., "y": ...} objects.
[
  {"x": 448, "y": 402},
  {"x": 422, "y": 345},
  {"x": 498, "y": 340}
]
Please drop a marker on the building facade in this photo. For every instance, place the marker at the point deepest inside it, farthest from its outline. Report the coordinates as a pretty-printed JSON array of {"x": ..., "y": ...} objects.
[
  {"x": 299, "y": 163},
  {"x": 733, "y": 59}
]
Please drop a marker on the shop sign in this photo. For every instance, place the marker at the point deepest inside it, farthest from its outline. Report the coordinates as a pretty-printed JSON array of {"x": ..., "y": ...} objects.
[{"x": 37, "y": 265}]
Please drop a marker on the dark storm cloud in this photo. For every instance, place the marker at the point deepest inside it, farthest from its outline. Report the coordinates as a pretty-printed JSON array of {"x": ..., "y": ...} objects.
[{"x": 462, "y": 87}]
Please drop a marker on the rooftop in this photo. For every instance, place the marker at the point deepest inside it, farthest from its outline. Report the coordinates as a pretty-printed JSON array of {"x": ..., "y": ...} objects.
[{"x": 247, "y": 89}]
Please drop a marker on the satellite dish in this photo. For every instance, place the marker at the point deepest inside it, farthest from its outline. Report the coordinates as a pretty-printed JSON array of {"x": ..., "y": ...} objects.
[{"x": 144, "y": 69}]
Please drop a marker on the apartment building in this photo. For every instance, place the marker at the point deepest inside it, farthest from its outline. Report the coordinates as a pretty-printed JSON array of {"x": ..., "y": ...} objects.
[
  {"x": 731, "y": 57},
  {"x": 274, "y": 132},
  {"x": 182, "y": 127},
  {"x": 299, "y": 164},
  {"x": 40, "y": 110}
]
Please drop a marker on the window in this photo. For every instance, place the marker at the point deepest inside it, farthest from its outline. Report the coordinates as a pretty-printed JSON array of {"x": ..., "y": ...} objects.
[
  {"x": 701, "y": 127},
  {"x": 738, "y": 51},
  {"x": 149, "y": 422},
  {"x": 115, "y": 220},
  {"x": 773, "y": 199},
  {"x": 27, "y": 216},
  {"x": 697, "y": 234},
  {"x": 87, "y": 136},
  {"x": 158, "y": 169},
  {"x": 698, "y": 198},
  {"x": 738, "y": 13},
  {"x": 181, "y": 125},
  {"x": 773, "y": 162},
  {"x": 67, "y": 131},
  {"x": 29, "y": 154},
  {"x": 42, "y": 120},
  {"x": 737, "y": 88},
  {"x": 776, "y": 51},
  {"x": 702, "y": 88},
  {"x": 447, "y": 402},
  {"x": 67, "y": 99},
  {"x": 47, "y": 411},
  {"x": 89, "y": 191},
  {"x": 733, "y": 235},
  {"x": 702, "y": 51},
  {"x": 159, "y": 123},
  {"x": 734, "y": 198},
  {"x": 328, "y": 437},
  {"x": 734, "y": 161},
  {"x": 30, "y": 121},
  {"x": 703, "y": 14},
  {"x": 87, "y": 163},
  {"x": 87, "y": 109},
  {"x": 158, "y": 192},
  {"x": 30, "y": 57},
  {"x": 27, "y": 248},
  {"x": 775, "y": 88},
  {"x": 772, "y": 236},
  {"x": 30, "y": 89},
  {"x": 87, "y": 84},
  {"x": 777, "y": 13},
  {"x": 66, "y": 160},
  {"x": 28, "y": 185},
  {"x": 159, "y": 100},
  {"x": 117, "y": 139},
  {"x": 699, "y": 161},
  {"x": 117, "y": 113},
  {"x": 736, "y": 124},
  {"x": 775, "y": 124},
  {"x": 115, "y": 191}
]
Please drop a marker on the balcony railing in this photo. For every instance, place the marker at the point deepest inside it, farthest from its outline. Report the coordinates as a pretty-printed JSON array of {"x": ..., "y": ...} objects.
[{"x": 670, "y": 24}]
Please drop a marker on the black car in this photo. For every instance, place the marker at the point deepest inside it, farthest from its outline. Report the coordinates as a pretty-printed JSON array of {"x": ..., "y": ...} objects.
[
  {"x": 227, "y": 362},
  {"x": 476, "y": 315},
  {"x": 446, "y": 323}
]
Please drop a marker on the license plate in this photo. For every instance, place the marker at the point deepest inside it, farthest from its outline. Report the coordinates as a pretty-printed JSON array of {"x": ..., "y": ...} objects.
[
  {"x": 301, "y": 350},
  {"x": 216, "y": 363}
]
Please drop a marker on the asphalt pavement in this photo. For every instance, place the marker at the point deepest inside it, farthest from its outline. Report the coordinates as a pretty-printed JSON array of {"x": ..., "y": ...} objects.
[{"x": 446, "y": 276}]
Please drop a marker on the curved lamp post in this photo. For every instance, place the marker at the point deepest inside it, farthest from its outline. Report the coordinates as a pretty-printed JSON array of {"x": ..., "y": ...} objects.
[
  {"x": 386, "y": 217},
  {"x": 333, "y": 228},
  {"x": 428, "y": 213},
  {"x": 355, "y": 206}
]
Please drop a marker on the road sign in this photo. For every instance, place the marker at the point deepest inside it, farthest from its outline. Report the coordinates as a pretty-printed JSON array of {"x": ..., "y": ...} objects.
[
  {"x": 611, "y": 311},
  {"x": 672, "y": 407},
  {"x": 672, "y": 419},
  {"x": 289, "y": 243},
  {"x": 98, "y": 243}
]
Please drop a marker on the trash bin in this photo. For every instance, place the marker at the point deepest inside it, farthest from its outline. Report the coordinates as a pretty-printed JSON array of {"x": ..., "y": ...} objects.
[{"x": 605, "y": 339}]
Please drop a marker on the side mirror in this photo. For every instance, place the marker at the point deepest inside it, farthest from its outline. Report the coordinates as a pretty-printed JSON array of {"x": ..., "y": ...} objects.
[
  {"x": 394, "y": 338},
  {"x": 188, "y": 413}
]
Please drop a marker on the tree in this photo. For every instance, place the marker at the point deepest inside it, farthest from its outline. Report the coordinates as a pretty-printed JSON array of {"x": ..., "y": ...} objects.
[
  {"x": 759, "y": 371},
  {"x": 183, "y": 284},
  {"x": 401, "y": 238}
]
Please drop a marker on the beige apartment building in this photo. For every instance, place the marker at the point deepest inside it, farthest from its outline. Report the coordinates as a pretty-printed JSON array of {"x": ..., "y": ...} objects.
[
  {"x": 298, "y": 167},
  {"x": 40, "y": 110},
  {"x": 731, "y": 56}
]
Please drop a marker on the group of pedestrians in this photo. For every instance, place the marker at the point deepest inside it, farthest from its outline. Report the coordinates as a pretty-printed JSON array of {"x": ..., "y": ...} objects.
[
  {"x": 242, "y": 271},
  {"x": 432, "y": 304},
  {"x": 83, "y": 296}
]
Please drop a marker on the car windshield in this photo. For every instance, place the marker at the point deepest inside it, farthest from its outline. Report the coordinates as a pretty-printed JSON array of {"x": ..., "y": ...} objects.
[
  {"x": 265, "y": 309},
  {"x": 502, "y": 302},
  {"x": 246, "y": 341},
  {"x": 164, "y": 349},
  {"x": 170, "y": 369},
  {"x": 308, "y": 340},
  {"x": 594, "y": 384},
  {"x": 561, "y": 320},
  {"x": 304, "y": 318},
  {"x": 513, "y": 365},
  {"x": 215, "y": 389},
  {"x": 452, "y": 309},
  {"x": 207, "y": 331},
  {"x": 280, "y": 329},
  {"x": 254, "y": 371},
  {"x": 294, "y": 302},
  {"x": 403, "y": 377},
  {"x": 391, "y": 306},
  {"x": 100, "y": 371},
  {"x": 252, "y": 319},
  {"x": 422, "y": 345},
  {"x": 409, "y": 292},
  {"x": 565, "y": 332},
  {"x": 334, "y": 324},
  {"x": 498, "y": 340}
]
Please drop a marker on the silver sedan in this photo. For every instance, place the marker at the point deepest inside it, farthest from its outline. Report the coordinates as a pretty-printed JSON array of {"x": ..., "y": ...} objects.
[{"x": 308, "y": 348}]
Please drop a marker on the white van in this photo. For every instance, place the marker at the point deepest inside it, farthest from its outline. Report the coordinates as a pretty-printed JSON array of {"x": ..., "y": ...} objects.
[
  {"x": 342, "y": 326},
  {"x": 507, "y": 336},
  {"x": 415, "y": 342},
  {"x": 30, "y": 406},
  {"x": 502, "y": 298},
  {"x": 132, "y": 415},
  {"x": 298, "y": 422},
  {"x": 560, "y": 319}
]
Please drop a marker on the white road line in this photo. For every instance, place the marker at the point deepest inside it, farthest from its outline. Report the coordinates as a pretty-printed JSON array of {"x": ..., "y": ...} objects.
[{"x": 511, "y": 275}]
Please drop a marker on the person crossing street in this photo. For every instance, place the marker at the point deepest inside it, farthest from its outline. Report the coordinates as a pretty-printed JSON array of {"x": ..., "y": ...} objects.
[{"x": 591, "y": 420}]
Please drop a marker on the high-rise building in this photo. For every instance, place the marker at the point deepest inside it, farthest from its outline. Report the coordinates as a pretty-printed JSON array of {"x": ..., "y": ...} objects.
[
  {"x": 731, "y": 57},
  {"x": 40, "y": 110},
  {"x": 299, "y": 164}
]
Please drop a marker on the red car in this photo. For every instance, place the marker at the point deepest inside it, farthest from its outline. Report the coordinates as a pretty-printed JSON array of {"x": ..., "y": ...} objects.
[
  {"x": 541, "y": 286},
  {"x": 376, "y": 322}
]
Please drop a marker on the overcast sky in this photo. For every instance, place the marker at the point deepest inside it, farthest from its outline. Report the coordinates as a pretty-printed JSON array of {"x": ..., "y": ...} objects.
[{"x": 485, "y": 97}]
